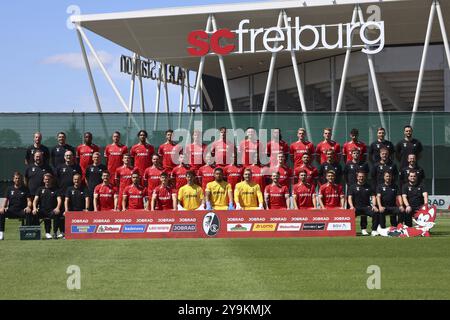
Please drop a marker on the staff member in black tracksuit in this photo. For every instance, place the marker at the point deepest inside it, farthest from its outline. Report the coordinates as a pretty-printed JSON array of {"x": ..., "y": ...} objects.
[
  {"x": 353, "y": 167},
  {"x": 77, "y": 196},
  {"x": 58, "y": 152},
  {"x": 412, "y": 166},
  {"x": 66, "y": 171},
  {"x": 94, "y": 175},
  {"x": 407, "y": 146},
  {"x": 375, "y": 147},
  {"x": 361, "y": 198},
  {"x": 385, "y": 164},
  {"x": 18, "y": 204},
  {"x": 414, "y": 197},
  {"x": 330, "y": 165},
  {"x": 47, "y": 205},
  {"x": 389, "y": 201},
  {"x": 34, "y": 173}
]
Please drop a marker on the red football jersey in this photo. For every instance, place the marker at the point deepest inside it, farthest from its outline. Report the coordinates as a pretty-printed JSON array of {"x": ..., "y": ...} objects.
[
  {"x": 114, "y": 156},
  {"x": 324, "y": 146},
  {"x": 277, "y": 196},
  {"x": 233, "y": 174},
  {"x": 273, "y": 148},
  {"x": 164, "y": 197},
  {"x": 311, "y": 173},
  {"x": 179, "y": 175},
  {"x": 298, "y": 149},
  {"x": 285, "y": 174},
  {"x": 331, "y": 195},
  {"x": 350, "y": 145},
  {"x": 152, "y": 178},
  {"x": 123, "y": 176},
  {"x": 249, "y": 150},
  {"x": 206, "y": 175},
  {"x": 195, "y": 153},
  {"x": 222, "y": 151},
  {"x": 169, "y": 153},
  {"x": 142, "y": 155},
  {"x": 259, "y": 175},
  {"x": 135, "y": 196},
  {"x": 305, "y": 194},
  {"x": 84, "y": 155},
  {"x": 106, "y": 195}
]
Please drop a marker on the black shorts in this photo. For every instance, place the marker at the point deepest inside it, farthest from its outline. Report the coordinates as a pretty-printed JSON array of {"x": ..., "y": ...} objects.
[
  {"x": 364, "y": 211},
  {"x": 15, "y": 214}
]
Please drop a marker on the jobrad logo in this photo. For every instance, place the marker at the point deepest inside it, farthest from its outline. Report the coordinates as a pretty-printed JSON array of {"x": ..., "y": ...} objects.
[{"x": 276, "y": 39}]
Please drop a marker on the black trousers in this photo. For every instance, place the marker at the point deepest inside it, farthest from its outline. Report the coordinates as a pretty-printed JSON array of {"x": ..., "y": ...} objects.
[
  {"x": 48, "y": 217},
  {"x": 15, "y": 215},
  {"x": 406, "y": 218},
  {"x": 365, "y": 212},
  {"x": 393, "y": 212}
]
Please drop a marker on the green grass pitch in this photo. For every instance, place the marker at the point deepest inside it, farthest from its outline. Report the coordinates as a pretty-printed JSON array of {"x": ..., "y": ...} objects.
[{"x": 304, "y": 268}]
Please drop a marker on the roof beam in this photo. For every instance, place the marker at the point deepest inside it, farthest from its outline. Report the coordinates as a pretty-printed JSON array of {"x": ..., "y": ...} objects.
[{"x": 389, "y": 93}]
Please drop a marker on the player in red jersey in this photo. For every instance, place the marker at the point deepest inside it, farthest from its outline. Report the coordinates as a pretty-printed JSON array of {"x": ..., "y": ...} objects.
[
  {"x": 85, "y": 152},
  {"x": 142, "y": 153},
  {"x": 195, "y": 151},
  {"x": 105, "y": 195},
  {"x": 276, "y": 195},
  {"x": 275, "y": 146},
  {"x": 331, "y": 195},
  {"x": 300, "y": 147},
  {"x": 164, "y": 197},
  {"x": 354, "y": 144},
  {"x": 114, "y": 153},
  {"x": 169, "y": 152},
  {"x": 304, "y": 193},
  {"x": 178, "y": 175},
  {"x": 222, "y": 149},
  {"x": 205, "y": 174},
  {"x": 259, "y": 175},
  {"x": 123, "y": 176},
  {"x": 152, "y": 174},
  {"x": 233, "y": 173},
  {"x": 311, "y": 172},
  {"x": 285, "y": 173},
  {"x": 134, "y": 195},
  {"x": 326, "y": 144},
  {"x": 249, "y": 148}
]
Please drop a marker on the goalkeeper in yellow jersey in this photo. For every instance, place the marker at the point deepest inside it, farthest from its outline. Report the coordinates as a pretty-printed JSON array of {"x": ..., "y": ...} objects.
[
  {"x": 247, "y": 194},
  {"x": 190, "y": 196},
  {"x": 218, "y": 193}
]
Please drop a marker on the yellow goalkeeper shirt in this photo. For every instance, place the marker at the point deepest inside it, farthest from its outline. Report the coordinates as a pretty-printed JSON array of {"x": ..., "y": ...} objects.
[
  {"x": 219, "y": 194},
  {"x": 190, "y": 196},
  {"x": 248, "y": 195}
]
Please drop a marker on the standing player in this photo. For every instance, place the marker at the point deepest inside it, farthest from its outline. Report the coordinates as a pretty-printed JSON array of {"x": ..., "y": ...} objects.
[
  {"x": 304, "y": 193},
  {"x": 66, "y": 171},
  {"x": 414, "y": 197},
  {"x": 152, "y": 174},
  {"x": 299, "y": 148},
  {"x": 330, "y": 164},
  {"x": 134, "y": 195},
  {"x": 249, "y": 148},
  {"x": 94, "y": 173},
  {"x": 77, "y": 196},
  {"x": 311, "y": 172},
  {"x": 285, "y": 175},
  {"x": 389, "y": 201},
  {"x": 407, "y": 146},
  {"x": 327, "y": 144},
  {"x": 164, "y": 197},
  {"x": 375, "y": 147},
  {"x": 233, "y": 173},
  {"x": 412, "y": 166},
  {"x": 178, "y": 175},
  {"x": 362, "y": 199},
  {"x": 123, "y": 177},
  {"x": 275, "y": 146},
  {"x": 169, "y": 152},
  {"x": 18, "y": 204},
  {"x": 105, "y": 195},
  {"x": 276, "y": 195},
  {"x": 58, "y": 152},
  {"x": 142, "y": 153},
  {"x": 385, "y": 164},
  {"x": 222, "y": 149},
  {"x": 354, "y": 144},
  {"x": 34, "y": 173},
  {"x": 190, "y": 196},
  {"x": 354, "y": 166},
  {"x": 247, "y": 194},
  {"x": 218, "y": 193},
  {"x": 331, "y": 195},
  {"x": 205, "y": 174},
  {"x": 114, "y": 154},
  {"x": 37, "y": 146},
  {"x": 85, "y": 152},
  {"x": 195, "y": 152}
]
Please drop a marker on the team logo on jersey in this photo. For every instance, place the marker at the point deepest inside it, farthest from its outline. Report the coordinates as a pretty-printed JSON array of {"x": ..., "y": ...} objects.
[
  {"x": 352, "y": 166},
  {"x": 409, "y": 188},
  {"x": 384, "y": 189},
  {"x": 12, "y": 193},
  {"x": 357, "y": 188},
  {"x": 405, "y": 145},
  {"x": 57, "y": 149},
  {"x": 64, "y": 170},
  {"x": 211, "y": 224}
]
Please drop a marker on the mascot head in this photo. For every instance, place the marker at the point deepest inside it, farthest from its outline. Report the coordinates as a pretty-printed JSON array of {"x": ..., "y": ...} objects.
[{"x": 425, "y": 217}]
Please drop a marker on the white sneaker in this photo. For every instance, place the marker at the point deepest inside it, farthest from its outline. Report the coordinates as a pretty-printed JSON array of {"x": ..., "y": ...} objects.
[
  {"x": 364, "y": 232},
  {"x": 48, "y": 236},
  {"x": 60, "y": 236},
  {"x": 1, "y": 235},
  {"x": 374, "y": 233}
]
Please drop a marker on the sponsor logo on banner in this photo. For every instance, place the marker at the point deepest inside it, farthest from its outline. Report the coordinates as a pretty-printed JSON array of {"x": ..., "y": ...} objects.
[
  {"x": 264, "y": 226},
  {"x": 239, "y": 227},
  {"x": 441, "y": 202},
  {"x": 289, "y": 226},
  {"x": 83, "y": 229},
  {"x": 184, "y": 228},
  {"x": 339, "y": 226},
  {"x": 114, "y": 228},
  {"x": 211, "y": 224},
  {"x": 155, "y": 228},
  {"x": 134, "y": 228},
  {"x": 314, "y": 226}
]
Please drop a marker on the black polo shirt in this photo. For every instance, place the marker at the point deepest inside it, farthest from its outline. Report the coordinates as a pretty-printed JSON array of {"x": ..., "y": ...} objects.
[
  {"x": 361, "y": 195},
  {"x": 405, "y": 172},
  {"x": 414, "y": 194},
  {"x": 380, "y": 169},
  {"x": 31, "y": 150},
  {"x": 65, "y": 174},
  {"x": 388, "y": 194},
  {"x": 325, "y": 167},
  {"x": 351, "y": 169},
  {"x": 57, "y": 154},
  {"x": 94, "y": 176},
  {"x": 35, "y": 174},
  {"x": 77, "y": 198},
  {"x": 48, "y": 198},
  {"x": 374, "y": 150},
  {"x": 17, "y": 198},
  {"x": 405, "y": 148}
]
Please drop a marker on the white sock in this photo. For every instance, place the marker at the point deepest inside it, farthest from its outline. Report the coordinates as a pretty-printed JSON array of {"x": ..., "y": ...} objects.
[{"x": 1, "y": 235}]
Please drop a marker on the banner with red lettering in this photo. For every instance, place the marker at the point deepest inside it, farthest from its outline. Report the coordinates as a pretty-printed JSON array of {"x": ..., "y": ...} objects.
[{"x": 210, "y": 224}]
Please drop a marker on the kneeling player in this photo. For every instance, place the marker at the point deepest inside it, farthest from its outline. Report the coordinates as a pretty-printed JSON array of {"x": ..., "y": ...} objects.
[
  {"x": 247, "y": 194},
  {"x": 134, "y": 195},
  {"x": 218, "y": 193},
  {"x": 304, "y": 193},
  {"x": 276, "y": 195},
  {"x": 190, "y": 196},
  {"x": 331, "y": 195},
  {"x": 164, "y": 197}
]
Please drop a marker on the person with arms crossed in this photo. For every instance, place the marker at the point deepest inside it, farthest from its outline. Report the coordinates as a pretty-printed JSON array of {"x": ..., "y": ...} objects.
[
  {"x": 375, "y": 147},
  {"x": 142, "y": 153},
  {"x": 85, "y": 152},
  {"x": 304, "y": 193},
  {"x": 331, "y": 195},
  {"x": 275, "y": 146},
  {"x": 389, "y": 201},
  {"x": 299, "y": 148},
  {"x": 114, "y": 154},
  {"x": 57, "y": 154},
  {"x": 77, "y": 197},
  {"x": 247, "y": 194},
  {"x": 219, "y": 195},
  {"x": 17, "y": 205},
  {"x": 407, "y": 146},
  {"x": 105, "y": 195},
  {"x": 35, "y": 147},
  {"x": 169, "y": 152},
  {"x": 191, "y": 196},
  {"x": 414, "y": 197},
  {"x": 164, "y": 197},
  {"x": 134, "y": 195},
  {"x": 327, "y": 144},
  {"x": 276, "y": 195},
  {"x": 34, "y": 173}
]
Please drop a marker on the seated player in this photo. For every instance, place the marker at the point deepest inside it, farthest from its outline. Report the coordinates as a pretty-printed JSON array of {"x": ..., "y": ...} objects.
[
  {"x": 77, "y": 196},
  {"x": 362, "y": 199},
  {"x": 331, "y": 195},
  {"x": 190, "y": 196},
  {"x": 304, "y": 193},
  {"x": 164, "y": 197},
  {"x": 18, "y": 204},
  {"x": 247, "y": 194},
  {"x": 276, "y": 195},
  {"x": 134, "y": 195},
  {"x": 414, "y": 197},
  {"x": 353, "y": 166},
  {"x": 218, "y": 193},
  {"x": 105, "y": 195},
  {"x": 311, "y": 172},
  {"x": 389, "y": 201},
  {"x": 330, "y": 164}
]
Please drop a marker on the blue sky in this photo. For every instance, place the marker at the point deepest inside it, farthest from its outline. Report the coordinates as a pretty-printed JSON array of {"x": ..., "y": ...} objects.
[{"x": 41, "y": 66}]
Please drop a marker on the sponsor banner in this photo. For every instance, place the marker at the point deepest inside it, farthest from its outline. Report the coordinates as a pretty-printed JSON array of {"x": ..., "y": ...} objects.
[
  {"x": 441, "y": 202},
  {"x": 140, "y": 224}
]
